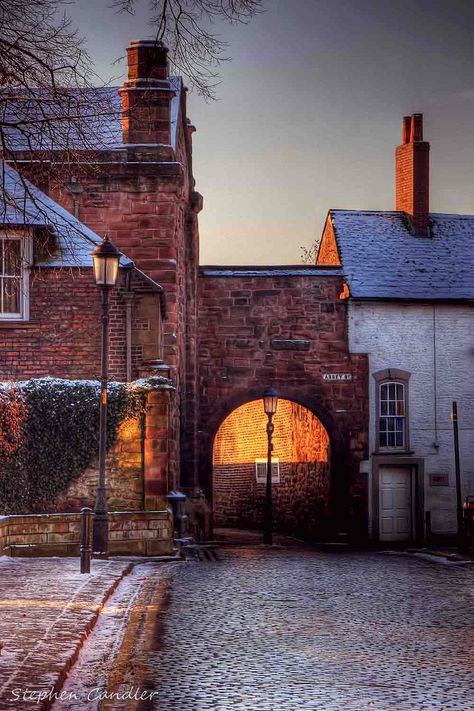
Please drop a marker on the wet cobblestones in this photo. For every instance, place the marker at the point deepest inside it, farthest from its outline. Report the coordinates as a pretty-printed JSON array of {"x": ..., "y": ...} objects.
[{"x": 297, "y": 630}]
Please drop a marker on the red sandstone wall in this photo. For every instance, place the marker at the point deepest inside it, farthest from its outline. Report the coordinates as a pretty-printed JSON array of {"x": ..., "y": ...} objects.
[{"x": 243, "y": 321}]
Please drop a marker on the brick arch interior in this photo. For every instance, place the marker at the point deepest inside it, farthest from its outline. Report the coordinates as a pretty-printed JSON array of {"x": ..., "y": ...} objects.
[{"x": 301, "y": 493}]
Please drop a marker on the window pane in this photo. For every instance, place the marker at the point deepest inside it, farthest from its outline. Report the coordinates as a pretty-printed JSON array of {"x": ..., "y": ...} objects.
[
  {"x": 392, "y": 421},
  {"x": 11, "y": 257},
  {"x": 11, "y": 293}
]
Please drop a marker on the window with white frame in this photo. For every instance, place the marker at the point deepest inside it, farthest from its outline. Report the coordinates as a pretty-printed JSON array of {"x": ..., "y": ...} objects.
[
  {"x": 261, "y": 470},
  {"x": 392, "y": 415},
  {"x": 14, "y": 262}
]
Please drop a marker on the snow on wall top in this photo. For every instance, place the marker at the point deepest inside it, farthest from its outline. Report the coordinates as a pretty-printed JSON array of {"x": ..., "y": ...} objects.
[
  {"x": 381, "y": 258},
  {"x": 101, "y": 125},
  {"x": 270, "y": 270},
  {"x": 23, "y": 204}
]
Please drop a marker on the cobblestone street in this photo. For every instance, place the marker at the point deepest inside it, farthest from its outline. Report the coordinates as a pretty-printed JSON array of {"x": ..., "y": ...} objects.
[{"x": 297, "y": 630}]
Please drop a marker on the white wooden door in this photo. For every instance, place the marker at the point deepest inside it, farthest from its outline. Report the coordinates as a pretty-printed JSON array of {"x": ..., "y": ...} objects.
[{"x": 395, "y": 504}]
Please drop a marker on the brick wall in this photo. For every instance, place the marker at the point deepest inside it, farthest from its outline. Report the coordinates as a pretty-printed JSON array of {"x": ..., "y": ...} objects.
[
  {"x": 300, "y": 443},
  {"x": 130, "y": 533},
  {"x": 300, "y": 500},
  {"x": 288, "y": 332},
  {"x": 298, "y": 436},
  {"x": 62, "y": 337}
]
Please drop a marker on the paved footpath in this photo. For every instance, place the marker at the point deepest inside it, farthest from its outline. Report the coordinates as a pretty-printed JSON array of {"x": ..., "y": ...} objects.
[
  {"x": 47, "y": 609},
  {"x": 300, "y": 630}
]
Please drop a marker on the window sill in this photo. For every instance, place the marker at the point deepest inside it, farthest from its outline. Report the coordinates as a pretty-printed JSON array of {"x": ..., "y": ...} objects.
[
  {"x": 16, "y": 324},
  {"x": 395, "y": 452}
]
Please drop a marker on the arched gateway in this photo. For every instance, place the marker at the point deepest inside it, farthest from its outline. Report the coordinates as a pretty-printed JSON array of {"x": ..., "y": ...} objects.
[
  {"x": 284, "y": 327},
  {"x": 301, "y": 470}
]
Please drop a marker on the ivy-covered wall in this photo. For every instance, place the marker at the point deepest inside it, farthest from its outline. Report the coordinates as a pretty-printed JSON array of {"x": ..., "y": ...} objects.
[{"x": 49, "y": 431}]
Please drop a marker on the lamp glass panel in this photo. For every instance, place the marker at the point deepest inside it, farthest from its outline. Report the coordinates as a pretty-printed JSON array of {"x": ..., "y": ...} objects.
[
  {"x": 99, "y": 269},
  {"x": 112, "y": 264},
  {"x": 270, "y": 403}
]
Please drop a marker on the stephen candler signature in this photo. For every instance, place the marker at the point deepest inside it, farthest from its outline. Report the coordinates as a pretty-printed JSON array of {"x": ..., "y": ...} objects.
[{"x": 37, "y": 696}]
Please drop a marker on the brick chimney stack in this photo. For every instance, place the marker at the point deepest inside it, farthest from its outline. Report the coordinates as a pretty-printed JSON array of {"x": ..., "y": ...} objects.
[
  {"x": 412, "y": 168},
  {"x": 146, "y": 95}
]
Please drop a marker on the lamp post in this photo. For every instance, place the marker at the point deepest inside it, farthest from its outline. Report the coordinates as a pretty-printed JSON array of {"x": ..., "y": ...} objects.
[
  {"x": 106, "y": 258},
  {"x": 270, "y": 404}
]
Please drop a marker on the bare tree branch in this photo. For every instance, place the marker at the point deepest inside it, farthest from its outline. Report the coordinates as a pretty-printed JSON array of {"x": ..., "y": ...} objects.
[
  {"x": 51, "y": 100},
  {"x": 185, "y": 26}
]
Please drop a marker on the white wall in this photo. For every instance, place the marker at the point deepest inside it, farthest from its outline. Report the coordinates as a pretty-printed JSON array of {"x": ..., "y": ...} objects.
[{"x": 436, "y": 345}]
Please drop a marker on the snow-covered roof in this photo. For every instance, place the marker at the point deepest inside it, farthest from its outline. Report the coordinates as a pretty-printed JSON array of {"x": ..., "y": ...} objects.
[
  {"x": 270, "y": 270},
  {"x": 23, "y": 204},
  {"x": 99, "y": 110},
  {"x": 382, "y": 259}
]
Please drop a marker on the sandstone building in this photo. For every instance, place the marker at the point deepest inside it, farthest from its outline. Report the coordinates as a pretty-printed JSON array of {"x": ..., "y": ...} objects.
[{"x": 222, "y": 334}]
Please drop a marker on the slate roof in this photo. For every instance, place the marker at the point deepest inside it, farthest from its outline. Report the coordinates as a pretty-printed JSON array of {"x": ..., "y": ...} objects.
[
  {"x": 101, "y": 126},
  {"x": 381, "y": 259},
  {"x": 21, "y": 203}
]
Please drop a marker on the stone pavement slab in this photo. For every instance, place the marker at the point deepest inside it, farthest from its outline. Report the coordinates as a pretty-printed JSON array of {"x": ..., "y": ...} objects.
[{"x": 47, "y": 609}]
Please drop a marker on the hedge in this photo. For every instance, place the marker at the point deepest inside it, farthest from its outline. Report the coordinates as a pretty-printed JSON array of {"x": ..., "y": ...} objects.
[{"x": 49, "y": 434}]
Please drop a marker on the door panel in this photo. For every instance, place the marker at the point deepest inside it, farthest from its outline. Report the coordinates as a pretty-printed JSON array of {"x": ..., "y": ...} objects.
[{"x": 395, "y": 504}]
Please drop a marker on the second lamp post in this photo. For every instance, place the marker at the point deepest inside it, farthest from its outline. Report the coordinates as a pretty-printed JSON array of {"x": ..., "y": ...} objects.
[
  {"x": 106, "y": 258},
  {"x": 270, "y": 404}
]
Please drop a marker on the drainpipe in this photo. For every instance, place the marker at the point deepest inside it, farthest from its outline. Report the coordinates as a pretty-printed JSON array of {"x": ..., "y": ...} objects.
[
  {"x": 128, "y": 337},
  {"x": 435, "y": 383}
]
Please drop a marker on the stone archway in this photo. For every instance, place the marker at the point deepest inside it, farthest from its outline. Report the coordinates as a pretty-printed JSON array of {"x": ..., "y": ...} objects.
[{"x": 302, "y": 470}]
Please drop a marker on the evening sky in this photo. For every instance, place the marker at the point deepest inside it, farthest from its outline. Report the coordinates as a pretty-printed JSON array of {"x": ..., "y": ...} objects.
[{"x": 310, "y": 111}]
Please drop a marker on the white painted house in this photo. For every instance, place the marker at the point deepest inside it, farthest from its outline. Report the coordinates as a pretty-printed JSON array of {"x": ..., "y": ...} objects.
[{"x": 410, "y": 285}]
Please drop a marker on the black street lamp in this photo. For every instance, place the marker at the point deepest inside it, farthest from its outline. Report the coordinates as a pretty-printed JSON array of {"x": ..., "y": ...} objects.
[
  {"x": 270, "y": 404},
  {"x": 106, "y": 258}
]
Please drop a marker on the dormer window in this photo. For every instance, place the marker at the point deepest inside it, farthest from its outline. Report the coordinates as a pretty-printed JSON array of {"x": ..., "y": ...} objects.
[{"x": 15, "y": 257}]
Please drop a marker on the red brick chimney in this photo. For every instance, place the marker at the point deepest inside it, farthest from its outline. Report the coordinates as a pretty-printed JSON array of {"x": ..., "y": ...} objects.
[
  {"x": 412, "y": 173},
  {"x": 146, "y": 95}
]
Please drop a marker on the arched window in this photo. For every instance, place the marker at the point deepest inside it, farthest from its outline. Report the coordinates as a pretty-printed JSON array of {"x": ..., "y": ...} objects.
[{"x": 392, "y": 410}]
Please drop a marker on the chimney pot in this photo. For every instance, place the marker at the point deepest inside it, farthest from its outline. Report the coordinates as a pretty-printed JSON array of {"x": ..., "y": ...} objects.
[
  {"x": 416, "y": 127},
  {"x": 406, "y": 129}
]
